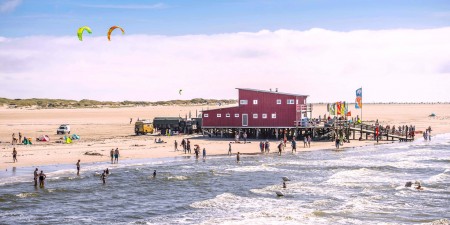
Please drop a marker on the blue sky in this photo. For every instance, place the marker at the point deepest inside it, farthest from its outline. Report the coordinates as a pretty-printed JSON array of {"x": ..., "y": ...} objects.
[{"x": 62, "y": 17}]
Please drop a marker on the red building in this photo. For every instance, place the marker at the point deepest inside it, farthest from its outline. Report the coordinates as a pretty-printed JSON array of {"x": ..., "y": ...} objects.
[{"x": 258, "y": 109}]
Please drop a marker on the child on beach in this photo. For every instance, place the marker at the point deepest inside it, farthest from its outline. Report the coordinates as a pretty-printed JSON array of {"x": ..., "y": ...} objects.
[{"x": 14, "y": 155}]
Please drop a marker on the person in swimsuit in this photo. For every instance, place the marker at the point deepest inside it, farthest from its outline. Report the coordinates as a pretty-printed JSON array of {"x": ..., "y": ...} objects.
[
  {"x": 204, "y": 153},
  {"x": 36, "y": 176},
  {"x": 42, "y": 177},
  {"x": 107, "y": 171},
  {"x": 78, "y": 168},
  {"x": 116, "y": 155},
  {"x": 14, "y": 155},
  {"x": 112, "y": 155},
  {"x": 103, "y": 176},
  {"x": 154, "y": 173},
  {"x": 229, "y": 148},
  {"x": 284, "y": 184},
  {"x": 238, "y": 157}
]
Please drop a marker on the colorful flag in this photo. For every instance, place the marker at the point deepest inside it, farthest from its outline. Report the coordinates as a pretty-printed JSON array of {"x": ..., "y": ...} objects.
[
  {"x": 358, "y": 102},
  {"x": 343, "y": 109},
  {"x": 332, "y": 110},
  {"x": 338, "y": 108}
]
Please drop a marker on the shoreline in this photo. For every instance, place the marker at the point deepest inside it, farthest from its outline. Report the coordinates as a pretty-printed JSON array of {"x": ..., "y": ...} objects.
[{"x": 175, "y": 155}]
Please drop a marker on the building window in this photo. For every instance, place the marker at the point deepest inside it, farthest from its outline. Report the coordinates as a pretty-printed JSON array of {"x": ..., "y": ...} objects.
[
  {"x": 219, "y": 115},
  {"x": 264, "y": 116},
  {"x": 236, "y": 115},
  {"x": 227, "y": 115},
  {"x": 274, "y": 115},
  {"x": 255, "y": 102},
  {"x": 290, "y": 101},
  {"x": 243, "y": 102},
  {"x": 205, "y": 115},
  {"x": 255, "y": 116},
  {"x": 278, "y": 101}
]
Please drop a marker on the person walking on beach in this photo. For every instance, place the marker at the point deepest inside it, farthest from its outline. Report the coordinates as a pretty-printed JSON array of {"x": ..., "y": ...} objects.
[
  {"x": 245, "y": 137},
  {"x": 14, "y": 155},
  {"x": 188, "y": 146},
  {"x": 261, "y": 146},
  {"x": 112, "y": 155},
  {"x": 183, "y": 144},
  {"x": 309, "y": 141},
  {"x": 103, "y": 176},
  {"x": 13, "y": 141},
  {"x": 131, "y": 120},
  {"x": 305, "y": 142},
  {"x": 280, "y": 147},
  {"x": 204, "y": 153},
  {"x": 36, "y": 176},
  {"x": 267, "y": 146},
  {"x": 238, "y": 157},
  {"x": 20, "y": 137},
  {"x": 116, "y": 155},
  {"x": 78, "y": 168},
  {"x": 42, "y": 177},
  {"x": 337, "y": 143},
  {"x": 176, "y": 145},
  {"x": 229, "y": 148},
  {"x": 294, "y": 146}
]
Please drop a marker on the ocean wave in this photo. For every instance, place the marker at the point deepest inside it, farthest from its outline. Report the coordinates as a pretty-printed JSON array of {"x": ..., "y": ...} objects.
[{"x": 177, "y": 178}]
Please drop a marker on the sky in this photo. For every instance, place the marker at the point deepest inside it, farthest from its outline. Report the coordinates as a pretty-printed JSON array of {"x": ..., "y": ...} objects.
[{"x": 397, "y": 51}]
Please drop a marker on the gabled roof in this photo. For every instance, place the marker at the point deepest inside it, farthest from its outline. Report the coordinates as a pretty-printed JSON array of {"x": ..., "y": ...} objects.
[{"x": 271, "y": 92}]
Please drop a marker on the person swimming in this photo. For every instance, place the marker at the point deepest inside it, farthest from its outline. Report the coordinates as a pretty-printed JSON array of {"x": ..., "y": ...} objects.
[{"x": 154, "y": 174}]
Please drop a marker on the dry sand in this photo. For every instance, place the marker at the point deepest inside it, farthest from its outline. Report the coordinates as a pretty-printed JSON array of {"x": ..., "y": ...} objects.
[{"x": 102, "y": 129}]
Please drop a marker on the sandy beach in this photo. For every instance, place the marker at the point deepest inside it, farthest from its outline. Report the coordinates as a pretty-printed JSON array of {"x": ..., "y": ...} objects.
[{"x": 102, "y": 129}]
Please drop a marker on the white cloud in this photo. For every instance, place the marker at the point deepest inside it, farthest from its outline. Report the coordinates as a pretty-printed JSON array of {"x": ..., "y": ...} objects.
[
  {"x": 390, "y": 65},
  {"x": 9, "y": 5},
  {"x": 152, "y": 6}
]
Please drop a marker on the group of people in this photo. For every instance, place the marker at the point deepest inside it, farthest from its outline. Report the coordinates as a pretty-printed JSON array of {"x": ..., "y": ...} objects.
[
  {"x": 39, "y": 176},
  {"x": 186, "y": 144},
  {"x": 15, "y": 140},
  {"x": 427, "y": 134},
  {"x": 114, "y": 155},
  {"x": 264, "y": 146}
]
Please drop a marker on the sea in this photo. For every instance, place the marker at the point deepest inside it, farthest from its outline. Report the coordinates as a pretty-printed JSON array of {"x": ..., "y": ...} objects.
[{"x": 362, "y": 185}]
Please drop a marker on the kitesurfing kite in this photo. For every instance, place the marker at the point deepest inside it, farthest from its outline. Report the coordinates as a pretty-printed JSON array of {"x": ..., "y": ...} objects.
[
  {"x": 81, "y": 30},
  {"x": 111, "y": 30},
  {"x": 179, "y": 92}
]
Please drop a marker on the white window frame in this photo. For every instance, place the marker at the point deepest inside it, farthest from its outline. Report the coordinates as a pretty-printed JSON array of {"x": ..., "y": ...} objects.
[
  {"x": 264, "y": 116},
  {"x": 227, "y": 115},
  {"x": 219, "y": 115},
  {"x": 274, "y": 115},
  {"x": 255, "y": 102},
  {"x": 236, "y": 115},
  {"x": 278, "y": 101},
  {"x": 205, "y": 115},
  {"x": 296, "y": 101},
  {"x": 243, "y": 102},
  {"x": 255, "y": 115},
  {"x": 290, "y": 101}
]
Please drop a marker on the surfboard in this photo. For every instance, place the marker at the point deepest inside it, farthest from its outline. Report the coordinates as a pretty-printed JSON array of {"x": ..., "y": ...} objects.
[
  {"x": 286, "y": 179},
  {"x": 279, "y": 193}
]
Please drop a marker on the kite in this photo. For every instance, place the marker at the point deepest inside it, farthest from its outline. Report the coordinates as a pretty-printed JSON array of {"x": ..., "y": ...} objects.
[
  {"x": 111, "y": 30},
  {"x": 80, "y": 32},
  {"x": 179, "y": 92}
]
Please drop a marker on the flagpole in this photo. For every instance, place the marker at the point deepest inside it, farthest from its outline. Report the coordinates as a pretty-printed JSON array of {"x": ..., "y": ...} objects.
[{"x": 361, "y": 116}]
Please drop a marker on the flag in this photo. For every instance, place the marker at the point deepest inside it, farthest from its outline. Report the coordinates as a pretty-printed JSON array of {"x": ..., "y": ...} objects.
[
  {"x": 338, "y": 108},
  {"x": 349, "y": 113},
  {"x": 358, "y": 102},
  {"x": 343, "y": 109},
  {"x": 332, "y": 109}
]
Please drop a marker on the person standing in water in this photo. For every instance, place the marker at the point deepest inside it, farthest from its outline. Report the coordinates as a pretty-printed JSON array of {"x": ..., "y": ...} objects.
[
  {"x": 176, "y": 145},
  {"x": 284, "y": 184},
  {"x": 78, "y": 168},
  {"x": 103, "y": 176},
  {"x": 14, "y": 155},
  {"x": 294, "y": 146},
  {"x": 112, "y": 155},
  {"x": 36, "y": 176},
  {"x": 204, "y": 153},
  {"x": 107, "y": 171},
  {"x": 238, "y": 157},
  {"x": 154, "y": 173},
  {"x": 42, "y": 177},
  {"x": 116, "y": 155}
]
